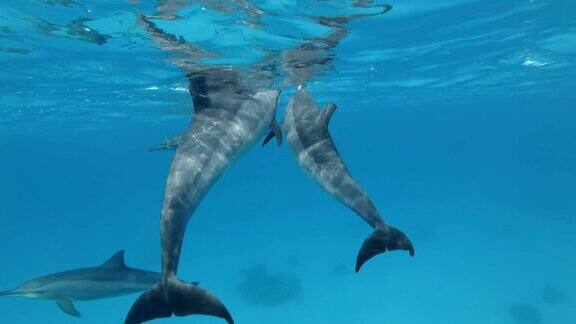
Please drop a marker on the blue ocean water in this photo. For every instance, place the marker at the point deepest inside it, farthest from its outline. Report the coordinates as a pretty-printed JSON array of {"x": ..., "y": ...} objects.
[{"x": 457, "y": 117}]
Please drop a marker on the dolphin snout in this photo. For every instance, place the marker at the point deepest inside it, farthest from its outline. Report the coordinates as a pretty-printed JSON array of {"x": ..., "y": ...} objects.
[
  {"x": 8, "y": 292},
  {"x": 22, "y": 292}
]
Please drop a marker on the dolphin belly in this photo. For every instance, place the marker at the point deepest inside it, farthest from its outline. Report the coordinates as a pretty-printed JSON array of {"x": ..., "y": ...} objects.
[
  {"x": 211, "y": 144},
  {"x": 215, "y": 138}
]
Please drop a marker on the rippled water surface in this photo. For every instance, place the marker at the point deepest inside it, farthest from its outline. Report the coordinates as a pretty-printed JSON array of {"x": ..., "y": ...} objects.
[{"x": 457, "y": 117}]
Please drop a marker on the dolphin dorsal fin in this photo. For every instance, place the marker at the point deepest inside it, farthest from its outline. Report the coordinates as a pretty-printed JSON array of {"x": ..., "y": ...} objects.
[
  {"x": 116, "y": 260},
  {"x": 325, "y": 116}
]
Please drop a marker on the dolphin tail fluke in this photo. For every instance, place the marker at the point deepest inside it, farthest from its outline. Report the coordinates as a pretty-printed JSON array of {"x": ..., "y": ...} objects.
[
  {"x": 382, "y": 239},
  {"x": 178, "y": 298}
]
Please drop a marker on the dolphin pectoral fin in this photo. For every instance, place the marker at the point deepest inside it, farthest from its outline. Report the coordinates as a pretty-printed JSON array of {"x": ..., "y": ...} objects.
[
  {"x": 170, "y": 143},
  {"x": 154, "y": 148},
  {"x": 178, "y": 298},
  {"x": 381, "y": 240},
  {"x": 325, "y": 116},
  {"x": 275, "y": 131},
  {"x": 67, "y": 307},
  {"x": 268, "y": 137}
]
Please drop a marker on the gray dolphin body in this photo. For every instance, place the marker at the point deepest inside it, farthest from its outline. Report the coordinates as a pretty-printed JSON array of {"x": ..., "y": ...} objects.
[
  {"x": 226, "y": 121},
  {"x": 309, "y": 138},
  {"x": 110, "y": 279}
]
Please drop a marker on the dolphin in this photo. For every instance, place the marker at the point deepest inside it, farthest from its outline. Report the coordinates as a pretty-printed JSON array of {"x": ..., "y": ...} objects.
[
  {"x": 170, "y": 143},
  {"x": 110, "y": 279},
  {"x": 308, "y": 136},
  {"x": 227, "y": 120}
]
